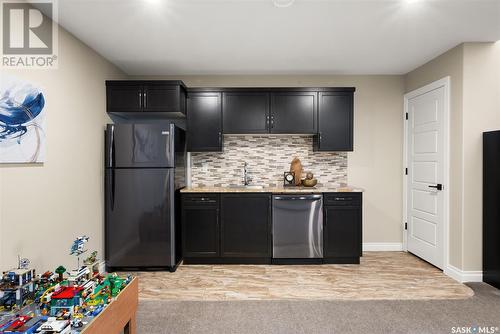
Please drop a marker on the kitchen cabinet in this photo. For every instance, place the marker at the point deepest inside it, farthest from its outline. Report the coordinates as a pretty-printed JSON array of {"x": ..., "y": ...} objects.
[
  {"x": 164, "y": 97},
  {"x": 226, "y": 228},
  {"x": 327, "y": 113},
  {"x": 335, "y": 121},
  {"x": 293, "y": 112},
  {"x": 253, "y": 112},
  {"x": 342, "y": 236},
  {"x": 204, "y": 122},
  {"x": 245, "y": 112},
  {"x": 128, "y": 98},
  {"x": 200, "y": 225},
  {"x": 123, "y": 97},
  {"x": 219, "y": 228},
  {"x": 246, "y": 225}
]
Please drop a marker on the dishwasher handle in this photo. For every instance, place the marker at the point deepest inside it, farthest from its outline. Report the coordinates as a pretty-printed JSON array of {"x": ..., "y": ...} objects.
[{"x": 298, "y": 198}]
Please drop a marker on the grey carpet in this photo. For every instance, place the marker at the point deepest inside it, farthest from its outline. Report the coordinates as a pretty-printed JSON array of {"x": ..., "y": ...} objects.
[{"x": 290, "y": 317}]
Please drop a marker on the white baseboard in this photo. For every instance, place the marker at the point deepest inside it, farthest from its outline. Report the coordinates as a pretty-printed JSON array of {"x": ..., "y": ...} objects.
[
  {"x": 382, "y": 247},
  {"x": 463, "y": 276}
]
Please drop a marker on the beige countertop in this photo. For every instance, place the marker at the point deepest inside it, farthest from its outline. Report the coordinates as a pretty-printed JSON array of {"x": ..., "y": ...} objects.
[{"x": 274, "y": 190}]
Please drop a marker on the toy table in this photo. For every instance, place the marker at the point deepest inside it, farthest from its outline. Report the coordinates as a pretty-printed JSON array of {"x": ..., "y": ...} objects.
[{"x": 119, "y": 315}]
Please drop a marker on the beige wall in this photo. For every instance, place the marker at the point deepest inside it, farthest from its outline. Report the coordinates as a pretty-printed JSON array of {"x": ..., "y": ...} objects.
[
  {"x": 44, "y": 207},
  {"x": 474, "y": 69},
  {"x": 481, "y": 101},
  {"x": 449, "y": 64},
  {"x": 376, "y": 163}
]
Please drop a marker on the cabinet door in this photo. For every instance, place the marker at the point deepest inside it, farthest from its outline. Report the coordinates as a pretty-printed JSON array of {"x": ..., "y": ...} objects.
[
  {"x": 124, "y": 98},
  {"x": 204, "y": 122},
  {"x": 200, "y": 227},
  {"x": 158, "y": 97},
  {"x": 335, "y": 121},
  {"x": 245, "y": 112},
  {"x": 246, "y": 225},
  {"x": 294, "y": 112},
  {"x": 342, "y": 232}
]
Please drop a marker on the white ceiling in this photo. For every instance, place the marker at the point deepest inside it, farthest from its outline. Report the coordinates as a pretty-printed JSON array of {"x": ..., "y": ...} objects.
[{"x": 160, "y": 37}]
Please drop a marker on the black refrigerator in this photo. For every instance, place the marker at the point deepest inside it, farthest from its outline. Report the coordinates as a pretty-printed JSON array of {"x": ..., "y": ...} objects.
[
  {"x": 144, "y": 171},
  {"x": 491, "y": 208}
]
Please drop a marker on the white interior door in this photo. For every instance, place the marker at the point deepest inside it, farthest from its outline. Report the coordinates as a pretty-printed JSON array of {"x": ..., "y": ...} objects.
[{"x": 426, "y": 173}]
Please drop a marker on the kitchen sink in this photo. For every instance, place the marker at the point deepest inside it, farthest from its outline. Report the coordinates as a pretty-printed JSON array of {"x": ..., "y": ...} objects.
[{"x": 253, "y": 186}]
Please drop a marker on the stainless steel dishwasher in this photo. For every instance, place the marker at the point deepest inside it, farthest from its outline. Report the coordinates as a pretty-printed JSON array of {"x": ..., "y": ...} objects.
[{"x": 297, "y": 227}]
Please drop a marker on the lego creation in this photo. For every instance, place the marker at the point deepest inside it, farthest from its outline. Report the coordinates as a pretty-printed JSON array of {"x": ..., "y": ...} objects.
[
  {"x": 17, "y": 286},
  {"x": 59, "y": 301}
]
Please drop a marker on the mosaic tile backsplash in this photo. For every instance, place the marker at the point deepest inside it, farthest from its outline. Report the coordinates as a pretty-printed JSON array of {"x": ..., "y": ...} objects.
[{"x": 267, "y": 157}]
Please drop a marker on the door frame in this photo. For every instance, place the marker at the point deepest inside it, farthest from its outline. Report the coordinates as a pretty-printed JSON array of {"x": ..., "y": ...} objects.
[{"x": 445, "y": 83}]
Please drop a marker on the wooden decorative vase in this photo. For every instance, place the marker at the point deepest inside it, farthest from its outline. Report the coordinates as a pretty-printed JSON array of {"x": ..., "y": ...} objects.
[{"x": 296, "y": 167}]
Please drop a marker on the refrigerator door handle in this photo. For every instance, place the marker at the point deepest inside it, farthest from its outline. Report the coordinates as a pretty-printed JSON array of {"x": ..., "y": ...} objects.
[
  {"x": 169, "y": 141},
  {"x": 112, "y": 147},
  {"x": 113, "y": 186}
]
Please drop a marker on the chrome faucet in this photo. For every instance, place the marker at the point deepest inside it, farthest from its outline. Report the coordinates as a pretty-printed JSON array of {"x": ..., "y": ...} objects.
[{"x": 246, "y": 178}]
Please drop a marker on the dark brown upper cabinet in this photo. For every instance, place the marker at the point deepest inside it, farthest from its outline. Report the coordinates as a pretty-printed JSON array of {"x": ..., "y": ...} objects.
[
  {"x": 335, "y": 121},
  {"x": 157, "y": 98},
  {"x": 294, "y": 112},
  {"x": 164, "y": 98},
  {"x": 245, "y": 112},
  {"x": 327, "y": 113},
  {"x": 204, "y": 122},
  {"x": 272, "y": 111},
  {"x": 123, "y": 98}
]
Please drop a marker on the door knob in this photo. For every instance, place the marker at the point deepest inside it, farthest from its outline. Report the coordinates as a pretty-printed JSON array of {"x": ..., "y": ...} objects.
[{"x": 438, "y": 186}]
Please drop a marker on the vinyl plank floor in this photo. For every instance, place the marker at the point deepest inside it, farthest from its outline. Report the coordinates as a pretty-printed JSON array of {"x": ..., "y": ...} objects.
[{"x": 380, "y": 276}]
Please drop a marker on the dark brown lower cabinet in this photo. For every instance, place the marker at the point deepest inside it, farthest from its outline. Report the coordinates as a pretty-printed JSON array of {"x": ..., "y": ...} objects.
[
  {"x": 246, "y": 225},
  {"x": 200, "y": 226},
  {"x": 226, "y": 228},
  {"x": 237, "y": 228},
  {"x": 342, "y": 227}
]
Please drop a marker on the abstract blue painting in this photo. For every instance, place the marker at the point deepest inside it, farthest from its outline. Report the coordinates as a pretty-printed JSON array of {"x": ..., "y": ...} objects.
[{"x": 22, "y": 122}]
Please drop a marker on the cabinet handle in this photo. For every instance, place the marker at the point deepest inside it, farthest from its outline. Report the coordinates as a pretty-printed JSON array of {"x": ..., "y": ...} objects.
[
  {"x": 272, "y": 122},
  {"x": 145, "y": 99},
  {"x": 204, "y": 199},
  {"x": 220, "y": 137},
  {"x": 267, "y": 122},
  {"x": 140, "y": 99},
  {"x": 343, "y": 199}
]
